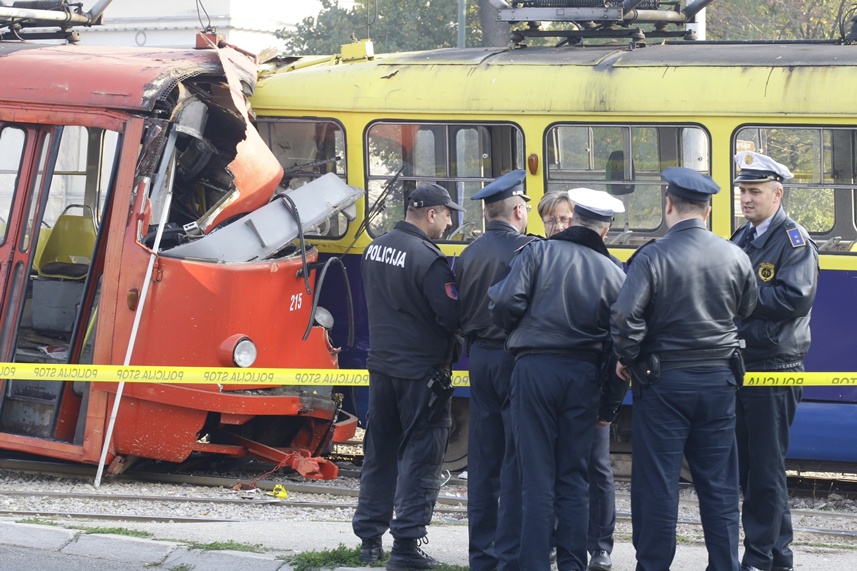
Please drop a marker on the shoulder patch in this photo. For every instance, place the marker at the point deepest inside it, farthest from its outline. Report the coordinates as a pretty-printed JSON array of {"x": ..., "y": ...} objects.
[
  {"x": 451, "y": 290},
  {"x": 796, "y": 238}
]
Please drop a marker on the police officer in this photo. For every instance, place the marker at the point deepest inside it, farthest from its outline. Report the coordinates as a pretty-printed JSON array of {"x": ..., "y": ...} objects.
[
  {"x": 785, "y": 261},
  {"x": 556, "y": 304},
  {"x": 413, "y": 312},
  {"x": 492, "y": 465},
  {"x": 677, "y": 309},
  {"x": 556, "y": 211}
]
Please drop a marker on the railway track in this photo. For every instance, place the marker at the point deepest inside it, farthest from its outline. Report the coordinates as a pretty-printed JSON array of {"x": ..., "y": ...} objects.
[{"x": 341, "y": 498}]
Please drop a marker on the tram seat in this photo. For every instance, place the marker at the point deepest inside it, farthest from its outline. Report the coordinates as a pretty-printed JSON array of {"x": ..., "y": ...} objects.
[
  {"x": 67, "y": 252},
  {"x": 44, "y": 234}
]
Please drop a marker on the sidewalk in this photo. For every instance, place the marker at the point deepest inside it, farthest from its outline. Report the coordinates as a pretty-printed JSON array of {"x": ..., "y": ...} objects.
[{"x": 169, "y": 547}]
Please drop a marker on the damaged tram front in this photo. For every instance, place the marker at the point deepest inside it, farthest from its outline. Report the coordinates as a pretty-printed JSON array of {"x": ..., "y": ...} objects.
[{"x": 142, "y": 223}]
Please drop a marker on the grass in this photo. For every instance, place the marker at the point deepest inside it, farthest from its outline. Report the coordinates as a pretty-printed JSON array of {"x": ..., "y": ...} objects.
[
  {"x": 342, "y": 557},
  {"x": 111, "y": 530},
  {"x": 118, "y": 531},
  {"x": 227, "y": 546},
  {"x": 40, "y": 521}
]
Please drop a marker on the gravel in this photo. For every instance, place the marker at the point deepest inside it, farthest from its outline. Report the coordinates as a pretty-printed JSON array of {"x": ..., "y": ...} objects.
[{"x": 823, "y": 513}]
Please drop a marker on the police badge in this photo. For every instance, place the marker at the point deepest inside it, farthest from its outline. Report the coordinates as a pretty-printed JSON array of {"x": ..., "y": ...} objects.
[{"x": 766, "y": 271}]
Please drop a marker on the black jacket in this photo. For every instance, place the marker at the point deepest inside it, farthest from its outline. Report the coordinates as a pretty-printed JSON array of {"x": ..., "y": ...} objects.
[
  {"x": 557, "y": 295},
  {"x": 411, "y": 301},
  {"x": 681, "y": 297},
  {"x": 786, "y": 268},
  {"x": 482, "y": 264}
]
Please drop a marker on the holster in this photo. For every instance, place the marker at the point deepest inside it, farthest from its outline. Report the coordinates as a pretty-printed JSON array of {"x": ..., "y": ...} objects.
[
  {"x": 647, "y": 372},
  {"x": 736, "y": 363},
  {"x": 440, "y": 385}
]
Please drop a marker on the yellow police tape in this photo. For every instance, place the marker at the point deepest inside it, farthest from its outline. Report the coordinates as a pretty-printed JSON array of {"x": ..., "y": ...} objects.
[{"x": 311, "y": 377}]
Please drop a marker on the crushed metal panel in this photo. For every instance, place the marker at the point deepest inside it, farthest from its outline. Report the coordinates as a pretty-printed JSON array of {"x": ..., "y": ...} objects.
[
  {"x": 267, "y": 230},
  {"x": 255, "y": 170}
]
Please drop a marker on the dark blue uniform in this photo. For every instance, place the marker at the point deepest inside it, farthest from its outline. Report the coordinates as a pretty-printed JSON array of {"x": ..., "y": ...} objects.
[
  {"x": 413, "y": 311},
  {"x": 556, "y": 302},
  {"x": 602, "y": 494},
  {"x": 777, "y": 334},
  {"x": 679, "y": 305},
  {"x": 494, "y": 492}
]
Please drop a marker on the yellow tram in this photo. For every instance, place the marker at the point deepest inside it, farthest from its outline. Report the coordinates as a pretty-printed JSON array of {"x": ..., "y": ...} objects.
[{"x": 608, "y": 116}]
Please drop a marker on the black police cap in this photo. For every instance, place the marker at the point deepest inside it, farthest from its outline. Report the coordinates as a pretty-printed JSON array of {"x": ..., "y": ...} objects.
[
  {"x": 689, "y": 184},
  {"x": 432, "y": 195},
  {"x": 506, "y": 186}
]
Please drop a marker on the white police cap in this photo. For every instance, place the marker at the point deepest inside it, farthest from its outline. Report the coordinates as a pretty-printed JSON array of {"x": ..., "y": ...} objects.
[
  {"x": 595, "y": 204},
  {"x": 754, "y": 167}
]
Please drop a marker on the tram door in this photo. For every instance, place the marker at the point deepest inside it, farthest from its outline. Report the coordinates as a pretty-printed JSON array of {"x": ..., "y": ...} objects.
[{"x": 53, "y": 186}]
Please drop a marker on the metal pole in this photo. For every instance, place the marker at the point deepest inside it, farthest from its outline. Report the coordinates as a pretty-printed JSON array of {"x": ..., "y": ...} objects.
[
  {"x": 699, "y": 25},
  {"x": 98, "y": 10},
  {"x": 462, "y": 22},
  {"x": 44, "y": 15}
]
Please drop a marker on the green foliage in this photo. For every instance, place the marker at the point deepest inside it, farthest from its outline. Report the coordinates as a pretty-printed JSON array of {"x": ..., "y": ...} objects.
[
  {"x": 343, "y": 557},
  {"x": 39, "y": 521},
  {"x": 328, "y": 559},
  {"x": 772, "y": 19},
  {"x": 401, "y": 25},
  {"x": 409, "y": 25},
  {"x": 227, "y": 546},
  {"x": 120, "y": 531}
]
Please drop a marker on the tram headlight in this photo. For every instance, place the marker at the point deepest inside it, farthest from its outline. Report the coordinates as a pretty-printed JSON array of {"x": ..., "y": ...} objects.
[
  {"x": 238, "y": 350},
  {"x": 323, "y": 317},
  {"x": 244, "y": 353}
]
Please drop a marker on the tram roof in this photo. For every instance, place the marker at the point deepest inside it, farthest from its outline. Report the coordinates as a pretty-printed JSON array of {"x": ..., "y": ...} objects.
[
  {"x": 97, "y": 76},
  {"x": 698, "y": 78},
  {"x": 739, "y": 54}
]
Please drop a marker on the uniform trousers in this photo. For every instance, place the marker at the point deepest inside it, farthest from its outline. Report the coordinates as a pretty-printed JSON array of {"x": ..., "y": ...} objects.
[
  {"x": 764, "y": 415},
  {"x": 554, "y": 408},
  {"x": 403, "y": 454},
  {"x": 688, "y": 412},
  {"x": 602, "y": 494},
  {"x": 494, "y": 493}
]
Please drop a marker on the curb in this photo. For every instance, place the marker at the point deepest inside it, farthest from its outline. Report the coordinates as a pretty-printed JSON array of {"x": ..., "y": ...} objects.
[{"x": 148, "y": 552}]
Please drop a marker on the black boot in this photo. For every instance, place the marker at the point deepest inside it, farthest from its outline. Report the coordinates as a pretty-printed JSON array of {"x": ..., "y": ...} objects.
[
  {"x": 407, "y": 555},
  {"x": 371, "y": 551}
]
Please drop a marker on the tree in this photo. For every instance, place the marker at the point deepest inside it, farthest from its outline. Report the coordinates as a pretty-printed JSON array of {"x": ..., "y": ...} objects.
[
  {"x": 400, "y": 25},
  {"x": 772, "y": 19}
]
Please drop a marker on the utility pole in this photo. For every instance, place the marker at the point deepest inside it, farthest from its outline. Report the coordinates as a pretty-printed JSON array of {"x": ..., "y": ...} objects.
[{"x": 462, "y": 22}]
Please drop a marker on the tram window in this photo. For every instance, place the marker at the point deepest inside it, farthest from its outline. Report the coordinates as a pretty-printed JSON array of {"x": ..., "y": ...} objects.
[
  {"x": 626, "y": 161},
  {"x": 461, "y": 157},
  {"x": 82, "y": 173},
  {"x": 73, "y": 201},
  {"x": 12, "y": 141},
  {"x": 308, "y": 149},
  {"x": 821, "y": 196}
]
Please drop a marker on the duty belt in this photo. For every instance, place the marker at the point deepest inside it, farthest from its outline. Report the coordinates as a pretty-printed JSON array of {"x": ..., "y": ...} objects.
[
  {"x": 593, "y": 357},
  {"x": 686, "y": 359},
  {"x": 686, "y": 364}
]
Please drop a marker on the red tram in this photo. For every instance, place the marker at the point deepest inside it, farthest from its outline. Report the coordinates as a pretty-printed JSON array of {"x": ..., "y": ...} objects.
[{"x": 140, "y": 224}]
